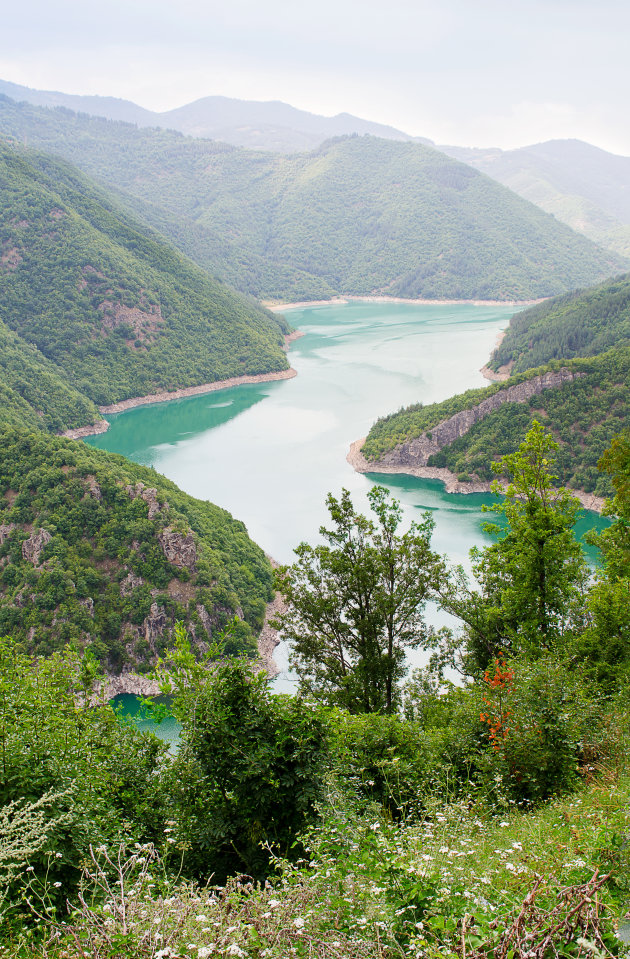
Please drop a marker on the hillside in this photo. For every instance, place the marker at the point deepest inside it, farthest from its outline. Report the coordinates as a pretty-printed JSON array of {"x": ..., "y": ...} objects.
[
  {"x": 359, "y": 215},
  {"x": 583, "y": 186},
  {"x": 582, "y": 402},
  {"x": 35, "y": 393},
  {"x": 117, "y": 310},
  {"x": 98, "y": 551},
  {"x": 584, "y": 323}
]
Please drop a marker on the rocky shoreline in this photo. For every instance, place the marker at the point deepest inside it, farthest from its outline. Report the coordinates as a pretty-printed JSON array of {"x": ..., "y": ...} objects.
[
  {"x": 277, "y": 307},
  {"x": 357, "y": 460},
  {"x": 103, "y": 425}
]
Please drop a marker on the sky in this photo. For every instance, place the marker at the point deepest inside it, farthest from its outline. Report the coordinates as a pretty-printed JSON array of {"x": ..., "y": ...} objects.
[{"x": 478, "y": 73}]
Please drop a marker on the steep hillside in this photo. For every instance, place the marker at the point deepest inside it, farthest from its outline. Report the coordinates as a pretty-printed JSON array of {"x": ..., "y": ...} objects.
[
  {"x": 35, "y": 393},
  {"x": 98, "y": 551},
  {"x": 583, "y": 402},
  {"x": 580, "y": 324},
  {"x": 360, "y": 215},
  {"x": 113, "y": 306},
  {"x": 585, "y": 187}
]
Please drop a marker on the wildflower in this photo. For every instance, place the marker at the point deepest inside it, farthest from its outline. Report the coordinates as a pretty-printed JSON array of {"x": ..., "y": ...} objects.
[
  {"x": 504, "y": 824},
  {"x": 57, "y": 885},
  {"x": 273, "y": 903},
  {"x": 30, "y": 868},
  {"x": 375, "y": 826},
  {"x": 234, "y": 950},
  {"x": 298, "y": 923},
  {"x": 201, "y": 918},
  {"x": 204, "y": 951}
]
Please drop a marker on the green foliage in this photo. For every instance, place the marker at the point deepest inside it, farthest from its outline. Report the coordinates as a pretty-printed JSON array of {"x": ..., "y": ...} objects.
[
  {"x": 355, "y": 605},
  {"x": 583, "y": 416},
  {"x": 104, "y": 578},
  {"x": 532, "y": 581},
  {"x": 249, "y": 769},
  {"x": 115, "y": 310},
  {"x": 583, "y": 323},
  {"x": 605, "y": 644},
  {"x": 355, "y": 216},
  {"x": 66, "y": 760}
]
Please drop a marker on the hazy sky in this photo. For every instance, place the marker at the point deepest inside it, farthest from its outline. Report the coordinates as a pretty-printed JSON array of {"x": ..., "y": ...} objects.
[{"x": 472, "y": 72}]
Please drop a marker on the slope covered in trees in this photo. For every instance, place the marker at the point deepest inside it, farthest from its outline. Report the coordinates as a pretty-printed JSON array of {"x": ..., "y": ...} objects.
[
  {"x": 359, "y": 215},
  {"x": 583, "y": 415},
  {"x": 580, "y": 324},
  {"x": 99, "y": 552},
  {"x": 115, "y": 308},
  {"x": 585, "y": 187}
]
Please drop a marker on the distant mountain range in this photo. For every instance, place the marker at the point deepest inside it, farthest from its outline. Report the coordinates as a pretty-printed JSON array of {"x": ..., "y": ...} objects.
[
  {"x": 583, "y": 186},
  {"x": 360, "y": 215},
  {"x": 256, "y": 125}
]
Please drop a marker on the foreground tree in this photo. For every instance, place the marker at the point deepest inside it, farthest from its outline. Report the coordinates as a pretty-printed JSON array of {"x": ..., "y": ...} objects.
[
  {"x": 532, "y": 581},
  {"x": 355, "y": 604}
]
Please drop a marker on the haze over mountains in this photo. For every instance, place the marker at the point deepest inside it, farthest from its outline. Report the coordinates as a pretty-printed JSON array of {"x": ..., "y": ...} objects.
[
  {"x": 583, "y": 186},
  {"x": 359, "y": 215}
]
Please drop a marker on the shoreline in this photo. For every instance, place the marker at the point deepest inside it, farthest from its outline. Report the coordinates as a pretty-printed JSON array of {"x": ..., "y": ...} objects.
[
  {"x": 358, "y": 462},
  {"x": 276, "y": 307},
  {"x": 102, "y": 426}
]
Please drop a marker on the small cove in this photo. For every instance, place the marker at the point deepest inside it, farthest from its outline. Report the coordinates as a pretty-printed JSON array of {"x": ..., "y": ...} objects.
[{"x": 270, "y": 452}]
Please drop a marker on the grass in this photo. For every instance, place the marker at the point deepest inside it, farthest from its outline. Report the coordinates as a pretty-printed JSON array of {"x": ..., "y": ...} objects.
[{"x": 462, "y": 882}]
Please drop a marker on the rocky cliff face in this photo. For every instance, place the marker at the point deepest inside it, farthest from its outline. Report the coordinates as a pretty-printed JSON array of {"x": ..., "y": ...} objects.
[{"x": 416, "y": 452}]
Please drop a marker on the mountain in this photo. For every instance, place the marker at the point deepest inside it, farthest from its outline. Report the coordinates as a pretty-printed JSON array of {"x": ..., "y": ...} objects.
[
  {"x": 360, "y": 215},
  {"x": 116, "y": 310},
  {"x": 254, "y": 124},
  {"x": 583, "y": 323},
  {"x": 99, "y": 552},
  {"x": 585, "y": 187}
]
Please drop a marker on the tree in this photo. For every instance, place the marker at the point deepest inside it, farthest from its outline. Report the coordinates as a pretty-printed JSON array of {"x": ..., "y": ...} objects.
[
  {"x": 532, "y": 581},
  {"x": 250, "y": 766},
  {"x": 355, "y": 604},
  {"x": 605, "y": 645}
]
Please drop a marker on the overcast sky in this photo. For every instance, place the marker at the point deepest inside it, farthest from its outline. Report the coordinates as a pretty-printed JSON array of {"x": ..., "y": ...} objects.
[{"x": 473, "y": 72}]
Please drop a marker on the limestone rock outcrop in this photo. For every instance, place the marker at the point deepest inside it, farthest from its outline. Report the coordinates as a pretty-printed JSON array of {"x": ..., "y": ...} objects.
[
  {"x": 179, "y": 549},
  {"x": 417, "y": 452},
  {"x": 33, "y": 546}
]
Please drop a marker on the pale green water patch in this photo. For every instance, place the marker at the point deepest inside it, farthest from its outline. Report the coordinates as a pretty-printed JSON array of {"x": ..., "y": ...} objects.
[{"x": 131, "y": 709}]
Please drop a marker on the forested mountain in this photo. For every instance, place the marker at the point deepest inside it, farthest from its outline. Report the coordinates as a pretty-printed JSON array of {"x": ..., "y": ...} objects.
[
  {"x": 117, "y": 310},
  {"x": 584, "y": 323},
  {"x": 585, "y": 187},
  {"x": 359, "y": 215},
  {"x": 109, "y": 555}
]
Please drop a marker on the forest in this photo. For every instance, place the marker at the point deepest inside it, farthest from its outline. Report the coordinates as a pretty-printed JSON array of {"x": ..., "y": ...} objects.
[
  {"x": 336, "y": 220},
  {"x": 117, "y": 313}
]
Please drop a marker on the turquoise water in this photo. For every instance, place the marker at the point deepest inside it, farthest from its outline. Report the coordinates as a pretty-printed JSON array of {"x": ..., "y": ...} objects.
[
  {"x": 271, "y": 452},
  {"x": 132, "y": 710}
]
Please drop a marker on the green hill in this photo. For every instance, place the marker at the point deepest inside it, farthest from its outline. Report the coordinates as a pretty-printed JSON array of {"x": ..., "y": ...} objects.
[
  {"x": 583, "y": 414},
  {"x": 581, "y": 324},
  {"x": 359, "y": 215},
  {"x": 35, "y": 393},
  {"x": 117, "y": 310},
  {"x": 109, "y": 555},
  {"x": 585, "y": 187}
]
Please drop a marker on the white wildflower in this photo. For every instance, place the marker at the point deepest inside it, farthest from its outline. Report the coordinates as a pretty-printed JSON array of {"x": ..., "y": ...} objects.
[
  {"x": 235, "y": 950},
  {"x": 298, "y": 923},
  {"x": 204, "y": 951}
]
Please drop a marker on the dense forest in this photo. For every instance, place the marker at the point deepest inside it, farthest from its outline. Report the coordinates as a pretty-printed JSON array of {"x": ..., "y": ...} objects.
[
  {"x": 105, "y": 555},
  {"x": 118, "y": 311},
  {"x": 358, "y": 215},
  {"x": 583, "y": 323}
]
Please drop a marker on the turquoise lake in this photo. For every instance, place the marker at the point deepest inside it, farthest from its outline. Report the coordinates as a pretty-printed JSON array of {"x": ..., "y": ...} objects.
[{"x": 269, "y": 453}]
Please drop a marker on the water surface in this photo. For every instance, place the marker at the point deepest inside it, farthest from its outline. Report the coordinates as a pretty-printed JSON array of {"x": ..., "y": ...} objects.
[{"x": 270, "y": 452}]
